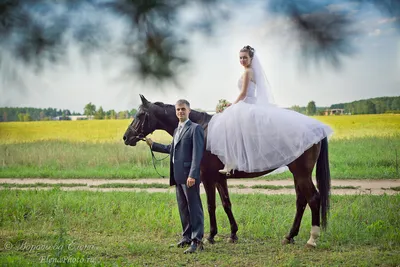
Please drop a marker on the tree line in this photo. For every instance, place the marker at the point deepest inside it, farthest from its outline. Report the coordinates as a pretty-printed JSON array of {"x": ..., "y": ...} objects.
[
  {"x": 32, "y": 114},
  {"x": 310, "y": 109},
  {"x": 100, "y": 114},
  {"x": 377, "y": 105},
  {"x": 45, "y": 114}
]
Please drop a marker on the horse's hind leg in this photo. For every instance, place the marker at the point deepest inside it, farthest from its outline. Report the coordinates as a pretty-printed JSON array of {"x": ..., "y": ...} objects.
[
  {"x": 209, "y": 187},
  {"x": 222, "y": 187},
  {"x": 301, "y": 204},
  {"x": 313, "y": 199}
]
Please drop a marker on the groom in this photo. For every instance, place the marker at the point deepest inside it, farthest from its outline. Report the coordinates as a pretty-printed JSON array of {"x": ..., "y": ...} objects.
[{"x": 186, "y": 151}]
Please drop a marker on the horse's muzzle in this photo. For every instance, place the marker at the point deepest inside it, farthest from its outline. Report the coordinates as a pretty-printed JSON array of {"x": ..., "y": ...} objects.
[{"x": 130, "y": 141}]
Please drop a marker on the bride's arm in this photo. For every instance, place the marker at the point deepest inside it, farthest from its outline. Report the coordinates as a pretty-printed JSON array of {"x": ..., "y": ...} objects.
[{"x": 246, "y": 79}]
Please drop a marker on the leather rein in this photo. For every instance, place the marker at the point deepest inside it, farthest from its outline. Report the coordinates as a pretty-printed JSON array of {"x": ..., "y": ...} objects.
[{"x": 143, "y": 138}]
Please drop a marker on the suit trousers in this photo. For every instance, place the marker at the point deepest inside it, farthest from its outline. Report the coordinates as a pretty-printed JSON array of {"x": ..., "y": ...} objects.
[{"x": 190, "y": 211}]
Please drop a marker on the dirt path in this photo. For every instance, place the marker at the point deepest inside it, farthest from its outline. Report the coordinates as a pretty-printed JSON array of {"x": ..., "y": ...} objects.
[{"x": 239, "y": 186}]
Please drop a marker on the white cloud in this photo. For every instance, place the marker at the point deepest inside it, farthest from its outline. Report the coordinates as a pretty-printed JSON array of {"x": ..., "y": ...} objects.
[
  {"x": 350, "y": 6},
  {"x": 387, "y": 20},
  {"x": 375, "y": 32}
]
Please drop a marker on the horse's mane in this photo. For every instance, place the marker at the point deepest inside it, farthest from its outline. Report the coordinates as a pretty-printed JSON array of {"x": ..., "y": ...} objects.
[{"x": 199, "y": 117}]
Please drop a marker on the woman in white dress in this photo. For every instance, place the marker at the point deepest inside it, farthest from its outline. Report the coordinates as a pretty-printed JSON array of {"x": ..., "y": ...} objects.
[{"x": 253, "y": 134}]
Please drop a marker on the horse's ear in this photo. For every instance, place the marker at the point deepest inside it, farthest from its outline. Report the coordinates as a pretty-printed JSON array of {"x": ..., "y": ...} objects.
[{"x": 145, "y": 102}]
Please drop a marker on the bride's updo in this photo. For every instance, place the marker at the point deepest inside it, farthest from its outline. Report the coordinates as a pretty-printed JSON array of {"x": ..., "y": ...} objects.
[{"x": 249, "y": 50}]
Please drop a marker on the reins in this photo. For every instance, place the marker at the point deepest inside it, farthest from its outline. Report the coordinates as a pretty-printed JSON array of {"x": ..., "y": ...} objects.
[
  {"x": 153, "y": 157},
  {"x": 142, "y": 137}
]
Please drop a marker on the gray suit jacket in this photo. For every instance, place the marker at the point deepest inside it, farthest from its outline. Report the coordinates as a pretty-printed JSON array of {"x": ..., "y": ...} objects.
[{"x": 188, "y": 153}]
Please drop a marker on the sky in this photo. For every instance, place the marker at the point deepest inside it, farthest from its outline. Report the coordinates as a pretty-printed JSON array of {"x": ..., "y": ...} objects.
[{"x": 214, "y": 69}]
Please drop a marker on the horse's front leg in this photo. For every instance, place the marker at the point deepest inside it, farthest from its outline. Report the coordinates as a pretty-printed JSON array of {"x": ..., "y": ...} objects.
[
  {"x": 222, "y": 187},
  {"x": 209, "y": 187}
]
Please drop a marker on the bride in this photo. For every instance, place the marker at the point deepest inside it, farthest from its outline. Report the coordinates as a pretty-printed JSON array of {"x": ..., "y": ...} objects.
[{"x": 253, "y": 134}]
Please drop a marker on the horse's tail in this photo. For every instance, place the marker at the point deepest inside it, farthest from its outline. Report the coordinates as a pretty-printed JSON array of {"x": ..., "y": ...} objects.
[{"x": 323, "y": 181}]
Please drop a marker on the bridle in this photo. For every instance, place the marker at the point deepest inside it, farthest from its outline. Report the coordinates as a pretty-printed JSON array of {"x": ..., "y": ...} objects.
[{"x": 142, "y": 137}]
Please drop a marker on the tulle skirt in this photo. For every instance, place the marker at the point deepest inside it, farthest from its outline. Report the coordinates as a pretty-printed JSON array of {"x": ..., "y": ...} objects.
[{"x": 253, "y": 138}]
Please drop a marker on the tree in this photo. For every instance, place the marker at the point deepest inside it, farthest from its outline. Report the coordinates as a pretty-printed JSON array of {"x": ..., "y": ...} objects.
[
  {"x": 370, "y": 107},
  {"x": 395, "y": 104},
  {"x": 27, "y": 117},
  {"x": 112, "y": 114},
  {"x": 89, "y": 110},
  {"x": 5, "y": 116},
  {"x": 311, "y": 108},
  {"x": 99, "y": 114},
  {"x": 296, "y": 108},
  {"x": 21, "y": 116},
  {"x": 123, "y": 114},
  {"x": 156, "y": 31},
  {"x": 133, "y": 112}
]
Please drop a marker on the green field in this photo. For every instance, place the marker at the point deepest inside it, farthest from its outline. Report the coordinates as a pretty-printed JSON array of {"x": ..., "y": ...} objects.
[
  {"x": 362, "y": 147},
  {"x": 122, "y": 229}
]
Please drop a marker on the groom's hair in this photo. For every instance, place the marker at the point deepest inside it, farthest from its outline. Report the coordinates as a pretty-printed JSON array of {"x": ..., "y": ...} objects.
[{"x": 183, "y": 102}]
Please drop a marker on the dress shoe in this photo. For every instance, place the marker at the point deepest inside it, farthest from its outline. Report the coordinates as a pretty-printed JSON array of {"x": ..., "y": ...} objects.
[
  {"x": 183, "y": 243},
  {"x": 195, "y": 246}
]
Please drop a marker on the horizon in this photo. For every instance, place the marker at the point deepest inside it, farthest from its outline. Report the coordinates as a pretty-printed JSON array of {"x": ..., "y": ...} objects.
[{"x": 196, "y": 108}]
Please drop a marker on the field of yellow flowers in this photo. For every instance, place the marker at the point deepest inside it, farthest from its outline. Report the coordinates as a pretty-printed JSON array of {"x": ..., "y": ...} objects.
[
  {"x": 363, "y": 146},
  {"x": 111, "y": 131}
]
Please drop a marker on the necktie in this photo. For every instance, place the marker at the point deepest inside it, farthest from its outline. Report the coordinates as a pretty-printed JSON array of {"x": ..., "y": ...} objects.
[{"x": 178, "y": 133}]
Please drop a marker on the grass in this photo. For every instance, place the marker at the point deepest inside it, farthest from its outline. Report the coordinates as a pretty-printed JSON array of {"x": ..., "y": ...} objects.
[
  {"x": 368, "y": 157},
  {"x": 159, "y": 185},
  {"x": 396, "y": 188},
  {"x": 136, "y": 229},
  {"x": 271, "y": 187},
  {"x": 8, "y": 185},
  {"x": 345, "y": 187},
  {"x": 123, "y": 185}
]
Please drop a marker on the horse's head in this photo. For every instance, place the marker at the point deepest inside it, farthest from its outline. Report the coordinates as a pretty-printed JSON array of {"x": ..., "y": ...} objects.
[{"x": 143, "y": 124}]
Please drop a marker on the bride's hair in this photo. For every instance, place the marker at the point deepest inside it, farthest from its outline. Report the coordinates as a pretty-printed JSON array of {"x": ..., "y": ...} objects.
[{"x": 248, "y": 49}]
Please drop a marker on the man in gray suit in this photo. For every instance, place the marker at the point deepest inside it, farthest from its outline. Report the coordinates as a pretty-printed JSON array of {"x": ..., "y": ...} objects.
[{"x": 186, "y": 151}]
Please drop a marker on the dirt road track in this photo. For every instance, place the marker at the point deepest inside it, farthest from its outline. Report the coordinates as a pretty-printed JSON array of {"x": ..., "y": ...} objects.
[{"x": 374, "y": 187}]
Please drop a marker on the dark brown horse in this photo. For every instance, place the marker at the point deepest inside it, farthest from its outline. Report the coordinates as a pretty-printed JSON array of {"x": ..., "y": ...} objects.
[{"x": 159, "y": 116}]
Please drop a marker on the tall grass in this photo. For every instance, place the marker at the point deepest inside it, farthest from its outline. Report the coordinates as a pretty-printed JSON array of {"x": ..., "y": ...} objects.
[
  {"x": 368, "y": 157},
  {"x": 137, "y": 228}
]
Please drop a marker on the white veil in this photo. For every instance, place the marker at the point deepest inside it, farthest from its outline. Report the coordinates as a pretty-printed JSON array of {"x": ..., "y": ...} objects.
[
  {"x": 264, "y": 95},
  {"x": 263, "y": 90}
]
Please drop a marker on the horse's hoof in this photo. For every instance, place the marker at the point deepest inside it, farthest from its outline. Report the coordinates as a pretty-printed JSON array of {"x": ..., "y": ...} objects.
[
  {"x": 233, "y": 239},
  {"x": 209, "y": 241},
  {"x": 287, "y": 241},
  {"x": 311, "y": 246}
]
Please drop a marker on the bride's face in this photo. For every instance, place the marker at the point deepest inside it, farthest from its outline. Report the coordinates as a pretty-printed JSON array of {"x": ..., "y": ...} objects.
[{"x": 245, "y": 59}]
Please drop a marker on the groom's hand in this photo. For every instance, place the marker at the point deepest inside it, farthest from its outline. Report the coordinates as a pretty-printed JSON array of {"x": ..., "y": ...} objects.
[
  {"x": 149, "y": 142},
  {"x": 190, "y": 181}
]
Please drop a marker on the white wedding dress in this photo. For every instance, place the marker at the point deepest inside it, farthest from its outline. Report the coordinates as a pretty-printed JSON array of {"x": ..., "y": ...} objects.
[{"x": 251, "y": 137}]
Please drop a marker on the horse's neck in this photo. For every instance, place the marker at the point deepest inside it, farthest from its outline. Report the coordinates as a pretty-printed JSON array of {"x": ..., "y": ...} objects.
[
  {"x": 201, "y": 118},
  {"x": 168, "y": 120}
]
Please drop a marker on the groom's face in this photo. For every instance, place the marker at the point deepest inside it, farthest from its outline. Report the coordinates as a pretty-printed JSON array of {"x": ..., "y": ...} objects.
[{"x": 182, "y": 112}]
